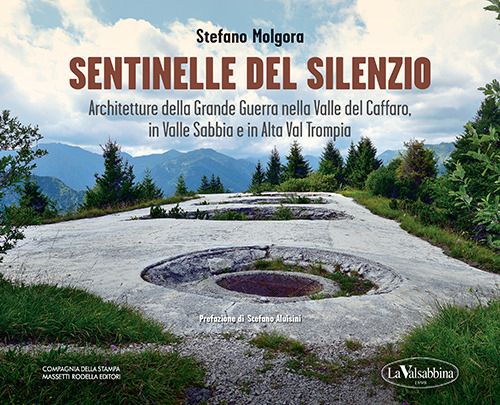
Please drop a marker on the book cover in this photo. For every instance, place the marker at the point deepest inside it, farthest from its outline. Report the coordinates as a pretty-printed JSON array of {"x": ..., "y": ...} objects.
[{"x": 246, "y": 202}]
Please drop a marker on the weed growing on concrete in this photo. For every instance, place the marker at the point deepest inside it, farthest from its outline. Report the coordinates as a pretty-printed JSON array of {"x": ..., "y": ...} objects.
[
  {"x": 317, "y": 297},
  {"x": 282, "y": 213},
  {"x": 229, "y": 216},
  {"x": 350, "y": 284}
]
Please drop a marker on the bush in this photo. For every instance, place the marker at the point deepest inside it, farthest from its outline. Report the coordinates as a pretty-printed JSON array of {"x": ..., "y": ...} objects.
[
  {"x": 176, "y": 212},
  {"x": 261, "y": 188},
  {"x": 282, "y": 214},
  {"x": 297, "y": 199},
  {"x": 384, "y": 182},
  {"x": 427, "y": 213},
  {"x": 295, "y": 185},
  {"x": 229, "y": 216},
  {"x": 159, "y": 212},
  {"x": 313, "y": 183}
]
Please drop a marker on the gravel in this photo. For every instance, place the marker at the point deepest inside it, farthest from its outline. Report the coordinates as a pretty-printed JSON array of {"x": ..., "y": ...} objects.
[{"x": 238, "y": 372}]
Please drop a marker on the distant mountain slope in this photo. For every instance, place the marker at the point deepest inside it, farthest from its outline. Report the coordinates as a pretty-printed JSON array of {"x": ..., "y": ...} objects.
[
  {"x": 442, "y": 153},
  {"x": 66, "y": 198},
  {"x": 141, "y": 163},
  {"x": 76, "y": 167},
  {"x": 235, "y": 174}
]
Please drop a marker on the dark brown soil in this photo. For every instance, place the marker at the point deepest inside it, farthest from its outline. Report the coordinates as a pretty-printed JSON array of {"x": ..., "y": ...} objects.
[{"x": 271, "y": 285}]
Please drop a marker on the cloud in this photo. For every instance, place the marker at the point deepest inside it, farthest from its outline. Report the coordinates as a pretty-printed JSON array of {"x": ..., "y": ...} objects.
[{"x": 259, "y": 22}]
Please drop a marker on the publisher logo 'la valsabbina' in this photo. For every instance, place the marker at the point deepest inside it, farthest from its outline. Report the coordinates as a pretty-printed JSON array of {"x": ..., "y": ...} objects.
[{"x": 420, "y": 373}]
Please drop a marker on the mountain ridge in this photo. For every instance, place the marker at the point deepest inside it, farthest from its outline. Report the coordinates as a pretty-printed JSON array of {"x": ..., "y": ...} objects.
[{"x": 75, "y": 168}]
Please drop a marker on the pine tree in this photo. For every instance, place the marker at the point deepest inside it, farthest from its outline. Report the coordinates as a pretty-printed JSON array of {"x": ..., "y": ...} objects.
[
  {"x": 331, "y": 162},
  {"x": 350, "y": 163},
  {"x": 204, "y": 186},
  {"x": 35, "y": 203},
  {"x": 297, "y": 167},
  {"x": 213, "y": 184},
  {"x": 147, "y": 188},
  {"x": 216, "y": 185},
  {"x": 116, "y": 185},
  {"x": 274, "y": 168},
  {"x": 331, "y": 159},
  {"x": 417, "y": 163},
  {"x": 361, "y": 162},
  {"x": 180, "y": 188},
  {"x": 258, "y": 176}
]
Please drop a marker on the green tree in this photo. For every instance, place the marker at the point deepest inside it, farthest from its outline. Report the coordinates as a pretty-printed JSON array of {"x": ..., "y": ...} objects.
[
  {"x": 204, "y": 186},
  {"x": 361, "y": 161},
  {"x": 350, "y": 161},
  {"x": 331, "y": 160},
  {"x": 116, "y": 185},
  {"x": 274, "y": 168},
  {"x": 485, "y": 211},
  {"x": 34, "y": 204},
  {"x": 180, "y": 188},
  {"x": 147, "y": 189},
  {"x": 15, "y": 169},
  {"x": 216, "y": 185},
  {"x": 384, "y": 182},
  {"x": 258, "y": 177},
  {"x": 297, "y": 167},
  {"x": 487, "y": 115},
  {"x": 417, "y": 163}
]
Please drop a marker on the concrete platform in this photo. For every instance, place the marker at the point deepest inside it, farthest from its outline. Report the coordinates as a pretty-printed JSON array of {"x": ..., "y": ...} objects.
[{"x": 106, "y": 256}]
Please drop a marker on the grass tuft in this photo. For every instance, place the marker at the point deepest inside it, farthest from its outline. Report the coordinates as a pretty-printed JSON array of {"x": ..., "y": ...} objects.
[
  {"x": 353, "y": 344},
  {"x": 46, "y": 313},
  {"x": 353, "y": 284},
  {"x": 229, "y": 215},
  {"x": 468, "y": 338},
  {"x": 278, "y": 342},
  {"x": 145, "y": 378}
]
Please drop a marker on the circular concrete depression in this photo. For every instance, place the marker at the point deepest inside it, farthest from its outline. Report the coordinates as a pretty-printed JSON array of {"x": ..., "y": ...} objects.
[
  {"x": 200, "y": 272},
  {"x": 270, "y": 284}
]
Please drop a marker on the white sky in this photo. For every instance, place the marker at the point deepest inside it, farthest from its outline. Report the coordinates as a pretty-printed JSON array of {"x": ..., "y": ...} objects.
[{"x": 38, "y": 39}]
